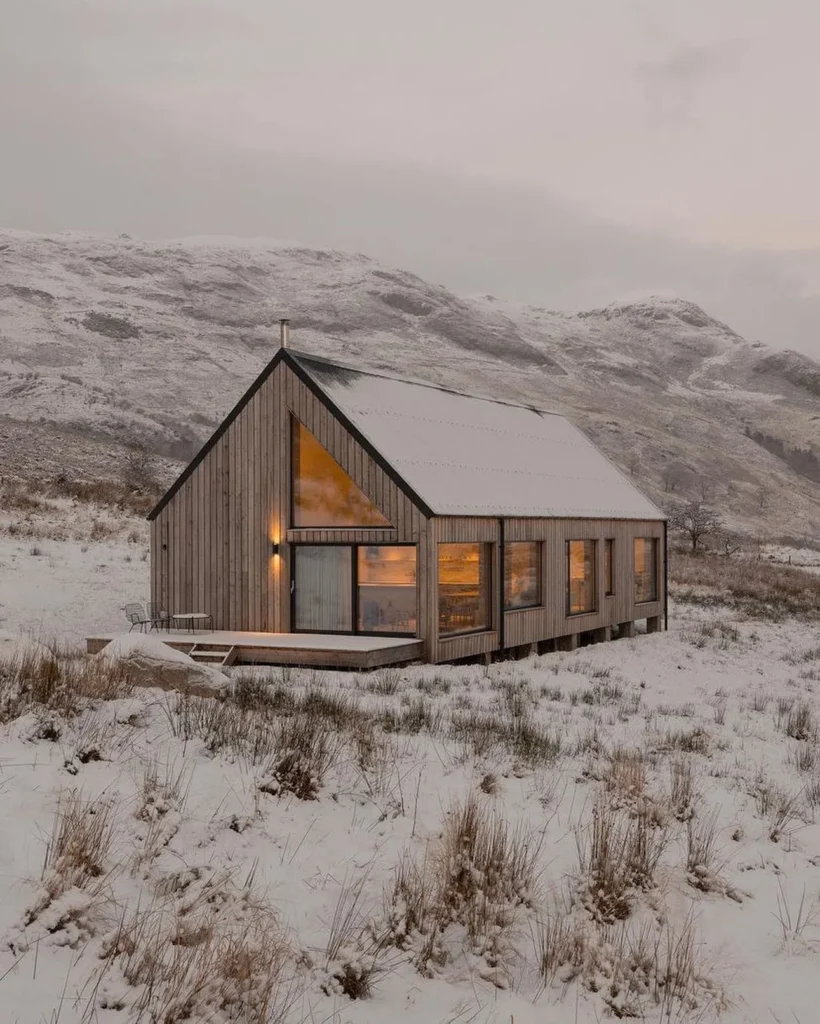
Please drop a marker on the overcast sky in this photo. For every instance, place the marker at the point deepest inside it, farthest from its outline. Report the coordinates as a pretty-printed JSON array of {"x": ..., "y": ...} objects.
[{"x": 564, "y": 153}]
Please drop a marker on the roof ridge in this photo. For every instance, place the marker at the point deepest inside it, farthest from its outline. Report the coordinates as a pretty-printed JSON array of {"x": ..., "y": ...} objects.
[{"x": 309, "y": 357}]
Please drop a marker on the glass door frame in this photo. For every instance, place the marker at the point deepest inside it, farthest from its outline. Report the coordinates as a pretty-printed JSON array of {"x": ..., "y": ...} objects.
[{"x": 354, "y": 574}]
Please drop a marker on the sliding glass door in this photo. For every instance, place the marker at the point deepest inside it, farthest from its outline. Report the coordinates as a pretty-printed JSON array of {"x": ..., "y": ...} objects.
[
  {"x": 323, "y": 589},
  {"x": 364, "y": 588}
]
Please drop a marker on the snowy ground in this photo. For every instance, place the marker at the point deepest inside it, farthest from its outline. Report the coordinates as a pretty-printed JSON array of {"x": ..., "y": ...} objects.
[
  {"x": 65, "y": 588},
  {"x": 200, "y": 810}
]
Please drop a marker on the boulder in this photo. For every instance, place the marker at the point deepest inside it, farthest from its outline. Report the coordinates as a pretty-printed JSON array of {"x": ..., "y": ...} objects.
[{"x": 150, "y": 662}]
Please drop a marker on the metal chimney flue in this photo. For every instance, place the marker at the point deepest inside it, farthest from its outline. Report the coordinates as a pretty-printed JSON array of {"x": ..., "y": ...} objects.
[{"x": 284, "y": 333}]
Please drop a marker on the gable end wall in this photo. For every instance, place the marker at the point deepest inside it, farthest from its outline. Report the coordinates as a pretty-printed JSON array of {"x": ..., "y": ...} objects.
[{"x": 211, "y": 541}]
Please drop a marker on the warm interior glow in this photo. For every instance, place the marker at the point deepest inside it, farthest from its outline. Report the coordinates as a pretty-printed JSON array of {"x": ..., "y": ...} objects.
[
  {"x": 387, "y": 589},
  {"x": 646, "y": 569},
  {"x": 463, "y": 573},
  {"x": 522, "y": 574},
  {"x": 323, "y": 494},
  {"x": 581, "y": 576}
]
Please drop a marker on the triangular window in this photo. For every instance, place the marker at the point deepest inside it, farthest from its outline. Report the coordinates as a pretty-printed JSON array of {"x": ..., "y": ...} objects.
[{"x": 324, "y": 496}]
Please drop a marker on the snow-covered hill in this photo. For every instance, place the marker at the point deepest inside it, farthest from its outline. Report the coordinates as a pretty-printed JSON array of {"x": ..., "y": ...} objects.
[{"x": 106, "y": 339}]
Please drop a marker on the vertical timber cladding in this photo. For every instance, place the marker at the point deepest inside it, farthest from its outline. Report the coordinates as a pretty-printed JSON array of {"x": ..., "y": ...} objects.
[
  {"x": 211, "y": 543},
  {"x": 455, "y": 529},
  {"x": 551, "y": 619}
]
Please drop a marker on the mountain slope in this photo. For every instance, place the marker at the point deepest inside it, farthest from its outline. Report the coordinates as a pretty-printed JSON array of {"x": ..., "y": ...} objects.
[{"x": 107, "y": 339}]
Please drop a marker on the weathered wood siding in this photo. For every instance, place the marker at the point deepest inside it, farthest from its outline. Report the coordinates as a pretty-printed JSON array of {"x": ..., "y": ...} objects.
[
  {"x": 211, "y": 544},
  {"x": 550, "y": 620}
]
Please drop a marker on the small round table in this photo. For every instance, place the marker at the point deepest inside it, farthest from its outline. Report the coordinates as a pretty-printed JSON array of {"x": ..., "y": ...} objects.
[{"x": 193, "y": 619}]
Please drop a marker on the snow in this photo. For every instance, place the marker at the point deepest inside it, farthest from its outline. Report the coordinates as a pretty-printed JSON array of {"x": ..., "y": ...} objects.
[
  {"x": 311, "y": 641},
  {"x": 465, "y": 455},
  {"x": 719, "y": 675},
  {"x": 70, "y": 395}
]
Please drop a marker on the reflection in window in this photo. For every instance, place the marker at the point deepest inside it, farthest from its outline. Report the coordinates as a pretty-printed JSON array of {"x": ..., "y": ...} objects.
[
  {"x": 522, "y": 574},
  {"x": 463, "y": 588},
  {"x": 646, "y": 569},
  {"x": 581, "y": 578},
  {"x": 609, "y": 567},
  {"x": 323, "y": 494},
  {"x": 387, "y": 589}
]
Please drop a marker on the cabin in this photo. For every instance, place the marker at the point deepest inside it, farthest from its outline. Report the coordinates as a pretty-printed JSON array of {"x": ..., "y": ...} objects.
[{"x": 344, "y": 517}]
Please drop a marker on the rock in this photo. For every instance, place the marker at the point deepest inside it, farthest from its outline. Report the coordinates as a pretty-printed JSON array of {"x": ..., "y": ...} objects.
[{"x": 150, "y": 662}]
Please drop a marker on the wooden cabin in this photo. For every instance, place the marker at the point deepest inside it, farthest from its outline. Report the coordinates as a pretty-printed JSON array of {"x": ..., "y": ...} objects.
[{"x": 335, "y": 502}]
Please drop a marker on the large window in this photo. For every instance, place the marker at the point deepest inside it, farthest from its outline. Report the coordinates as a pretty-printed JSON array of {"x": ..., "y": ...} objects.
[
  {"x": 348, "y": 588},
  {"x": 609, "y": 567},
  {"x": 387, "y": 589},
  {"x": 323, "y": 494},
  {"x": 522, "y": 574},
  {"x": 646, "y": 569},
  {"x": 581, "y": 576},
  {"x": 463, "y": 588}
]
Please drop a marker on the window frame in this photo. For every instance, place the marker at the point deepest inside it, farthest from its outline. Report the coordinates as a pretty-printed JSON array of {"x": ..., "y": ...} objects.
[
  {"x": 488, "y": 584},
  {"x": 609, "y": 567},
  {"x": 539, "y": 573},
  {"x": 353, "y": 548},
  {"x": 295, "y": 423},
  {"x": 655, "y": 546},
  {"x": 594, "y": 562},
  {"x": 357, "y": 590}
]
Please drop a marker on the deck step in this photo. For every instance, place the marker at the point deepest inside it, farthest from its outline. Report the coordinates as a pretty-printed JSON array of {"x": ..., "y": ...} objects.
[{"x": 213, "y": 654}]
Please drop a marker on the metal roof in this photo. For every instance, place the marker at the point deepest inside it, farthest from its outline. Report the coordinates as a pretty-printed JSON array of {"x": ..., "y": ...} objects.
[{"x": 470, "y": 456}]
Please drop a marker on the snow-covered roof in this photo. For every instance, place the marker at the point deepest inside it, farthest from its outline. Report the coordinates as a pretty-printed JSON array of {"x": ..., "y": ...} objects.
[{"x": 469, "y": 456}]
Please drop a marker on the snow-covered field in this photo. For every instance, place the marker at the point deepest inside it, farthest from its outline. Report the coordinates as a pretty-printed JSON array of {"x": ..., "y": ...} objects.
[{"x": 631, "y": 828}]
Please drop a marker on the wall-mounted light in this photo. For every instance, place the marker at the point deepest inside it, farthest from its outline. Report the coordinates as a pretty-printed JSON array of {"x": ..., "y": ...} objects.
[{"x": 274, "y": 548}]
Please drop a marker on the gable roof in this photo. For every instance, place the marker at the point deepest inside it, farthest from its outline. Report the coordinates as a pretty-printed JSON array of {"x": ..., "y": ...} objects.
[
  {"x": 457, "y": 454},
  {"x": 470, "y": 456}
]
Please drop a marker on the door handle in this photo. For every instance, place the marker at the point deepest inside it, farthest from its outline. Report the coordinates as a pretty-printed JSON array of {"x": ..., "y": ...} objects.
[{"x": 293, "y": 586}]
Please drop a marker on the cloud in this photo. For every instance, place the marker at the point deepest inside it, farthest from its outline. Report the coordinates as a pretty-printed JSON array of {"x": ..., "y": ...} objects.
[{"x": 80, "y": 152}]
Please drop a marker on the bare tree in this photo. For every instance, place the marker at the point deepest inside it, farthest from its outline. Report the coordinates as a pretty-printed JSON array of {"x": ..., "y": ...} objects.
[
  {"x": 138, "y": 467},
  {"x": 763, "y": 499},
  {"x": 729, "y": 542},
  {"x": 696, "y": 519},
  {"x": 670, "y": 478}
]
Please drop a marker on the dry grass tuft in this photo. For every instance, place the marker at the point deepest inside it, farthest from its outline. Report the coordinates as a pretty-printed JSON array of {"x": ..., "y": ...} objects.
[
  {"x": 702, "y": 868},
  {"x": 682, "y": 792},
  {"x": 75, "y": 887},
  {"x": 652, "y": 972},
  {"x": 39, "y": 678},
  {"x": 217, "y": 953},
  {"x": 521, "y": 736},
  {"x": 618, "y": 855},
  {"x": 799, "y": 722},
  {"x": 778, "y": 806},
  {"x": 475, "y": 881}
]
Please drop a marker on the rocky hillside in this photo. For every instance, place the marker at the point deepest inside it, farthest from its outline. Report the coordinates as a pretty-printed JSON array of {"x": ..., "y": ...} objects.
[{"x": 103, "y": 340}]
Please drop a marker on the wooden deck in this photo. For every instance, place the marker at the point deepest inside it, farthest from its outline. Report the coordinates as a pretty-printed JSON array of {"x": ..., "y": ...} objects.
[{"x": 317, "y": 650}]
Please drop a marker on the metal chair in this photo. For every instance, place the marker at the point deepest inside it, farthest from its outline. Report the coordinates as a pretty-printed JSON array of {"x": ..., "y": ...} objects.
[
  {"x": 137, "y": 617},
  {"x": 158, "y": 617}
]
